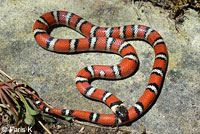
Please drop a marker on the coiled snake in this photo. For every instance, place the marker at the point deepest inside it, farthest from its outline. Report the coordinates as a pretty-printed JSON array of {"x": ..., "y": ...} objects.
[{"x": 103, "y": 39}]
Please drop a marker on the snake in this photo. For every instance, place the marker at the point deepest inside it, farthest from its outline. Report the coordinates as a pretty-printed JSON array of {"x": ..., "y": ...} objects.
[{"x": 104, "y": 39}]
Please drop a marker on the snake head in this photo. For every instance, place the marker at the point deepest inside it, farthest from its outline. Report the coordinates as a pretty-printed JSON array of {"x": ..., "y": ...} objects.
[{"x": 122, "y": 113}]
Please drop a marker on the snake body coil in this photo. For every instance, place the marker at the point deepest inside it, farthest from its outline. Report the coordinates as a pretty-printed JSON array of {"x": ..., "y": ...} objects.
[{"x": 110, "y": 40}]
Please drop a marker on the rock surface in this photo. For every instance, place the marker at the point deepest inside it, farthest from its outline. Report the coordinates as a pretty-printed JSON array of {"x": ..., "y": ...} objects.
[{"x": 53, "y": 75}]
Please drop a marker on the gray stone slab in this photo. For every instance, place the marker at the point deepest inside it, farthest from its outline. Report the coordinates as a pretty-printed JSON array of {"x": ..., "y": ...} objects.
[{"x": 53, "y": 75}]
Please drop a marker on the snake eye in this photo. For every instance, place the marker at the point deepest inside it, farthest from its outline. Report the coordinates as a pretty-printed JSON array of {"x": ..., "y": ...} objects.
[{"x": 122, "y": 113}]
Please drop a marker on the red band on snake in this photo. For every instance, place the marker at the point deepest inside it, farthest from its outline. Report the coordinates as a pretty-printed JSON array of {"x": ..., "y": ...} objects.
[{"x": 102, "y": 39}]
